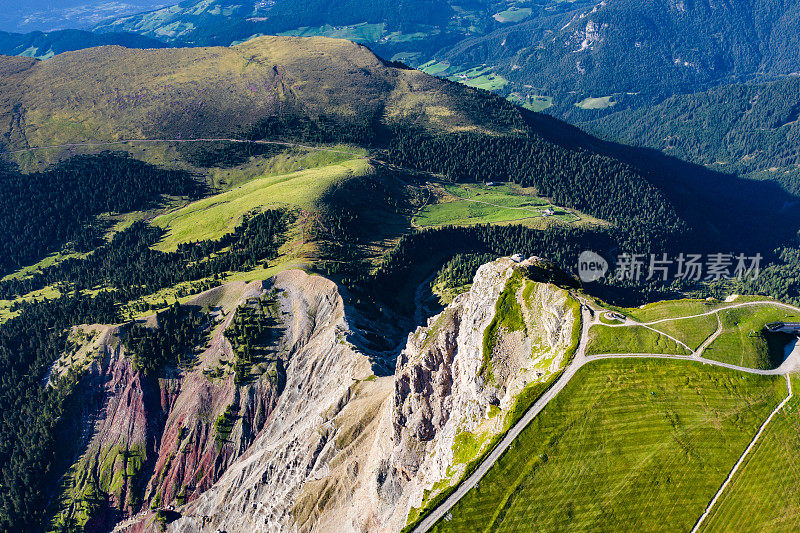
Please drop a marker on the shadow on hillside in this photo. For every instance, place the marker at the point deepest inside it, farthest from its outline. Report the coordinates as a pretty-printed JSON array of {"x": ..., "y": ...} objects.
[{"x": 729, "y": 213}]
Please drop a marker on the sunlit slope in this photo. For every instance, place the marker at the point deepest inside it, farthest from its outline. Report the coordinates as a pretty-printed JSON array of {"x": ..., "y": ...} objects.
[
  {"x": 627, "y": 446},
  {"x": 110, "y": 93},
  {"x": 213, "y": 217},
  {"x": 764, "y": 494}
]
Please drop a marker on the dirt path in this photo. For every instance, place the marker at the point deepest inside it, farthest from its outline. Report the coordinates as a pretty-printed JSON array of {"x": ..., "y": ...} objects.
[
  {"x": 628, "y": 322},
  {"x": 215, "y": 139},
  {"x": 711, "y": 338},
  {"x": 723, "y": 308},
  {"x": 578, "y": 361},
  {"x": 590, "y": 316}
]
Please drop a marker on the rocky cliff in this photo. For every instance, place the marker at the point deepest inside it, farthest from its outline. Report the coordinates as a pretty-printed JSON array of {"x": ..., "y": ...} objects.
[{"x": 321, "y": 444}]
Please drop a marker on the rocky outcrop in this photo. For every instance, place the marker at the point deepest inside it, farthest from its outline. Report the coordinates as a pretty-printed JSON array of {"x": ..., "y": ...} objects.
[
  {"x": 446, "y": 396},
  {"x": 154, "y": 441},
  {"x": 330, "y": 446}
]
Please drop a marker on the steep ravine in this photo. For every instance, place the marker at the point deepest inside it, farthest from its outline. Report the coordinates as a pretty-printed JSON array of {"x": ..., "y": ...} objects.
[{"x": 325, "y": 445}]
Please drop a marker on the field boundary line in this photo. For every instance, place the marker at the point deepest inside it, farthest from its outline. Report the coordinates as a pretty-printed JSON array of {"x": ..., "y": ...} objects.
[{"x": 743, "y": 456}]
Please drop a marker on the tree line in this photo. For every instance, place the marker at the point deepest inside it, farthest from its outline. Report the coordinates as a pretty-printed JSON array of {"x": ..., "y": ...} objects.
[
  {"x": 134, "y": 269},
  {"x": 42, "y": 211}
]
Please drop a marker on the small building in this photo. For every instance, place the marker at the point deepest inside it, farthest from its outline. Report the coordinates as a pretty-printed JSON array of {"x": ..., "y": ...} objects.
[
  {"x": 549, "y": 212},
  {"x": 792, "y": 328},
  {"x": 490, "y": 184}
]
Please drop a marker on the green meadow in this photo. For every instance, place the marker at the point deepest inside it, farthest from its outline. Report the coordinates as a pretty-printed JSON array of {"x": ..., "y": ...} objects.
[
  {"x": 461, "y": 205},
  {"x": 743, "y": 340},
  {"x": 628, "y": 445},
  {"x": 764, "y": 494},
  {"x": 630, "y": 339},
  {"x": 213, "y": 217}
]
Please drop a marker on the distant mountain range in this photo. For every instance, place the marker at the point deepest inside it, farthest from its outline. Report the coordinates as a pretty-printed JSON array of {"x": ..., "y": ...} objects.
[
  {"x": 49, "y": 15},
  {"x": 45, "y": 45},
  {"x": 594, "y": 54},
  {"x": 578, "y": 60},
  {"x": 648, "y": 47}
]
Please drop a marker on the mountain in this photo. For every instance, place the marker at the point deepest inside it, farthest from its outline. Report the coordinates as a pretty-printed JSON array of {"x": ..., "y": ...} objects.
[
  {"x": 747, "y": 129},
  {"x": 595, "y": 55},
  {"x": 49, "y": 15},
  {"x": 654, "y": 48},
  {"x": 45, "y": 45},
  {"x": 298, "y": 431},
  {"x": 319, "y": 89},
  {"x": 222, "y": 22},
  {"x": 216, "y": 262},
  {"x": 270, "y": 76}
]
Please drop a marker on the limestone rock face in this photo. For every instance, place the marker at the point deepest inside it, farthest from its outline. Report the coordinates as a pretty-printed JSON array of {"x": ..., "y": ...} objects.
[
  {"x": 330, "y": 446},
  {"x": 444, "y": 391}
]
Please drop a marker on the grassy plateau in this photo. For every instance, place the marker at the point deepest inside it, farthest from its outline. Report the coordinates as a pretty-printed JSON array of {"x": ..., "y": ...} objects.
[
  {"x": 743, "y": 340},
  {"x": 630, "y": 339},
  {"x": 764, "y": 494},
  {"x": 461, "y": 205},
  {"x": 626, "y": 446}
]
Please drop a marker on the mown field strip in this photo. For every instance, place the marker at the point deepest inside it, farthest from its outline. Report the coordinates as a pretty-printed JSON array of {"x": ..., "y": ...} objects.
[
  {"x": 624, "y": 446},
  {"x": 744, "y": 455}
]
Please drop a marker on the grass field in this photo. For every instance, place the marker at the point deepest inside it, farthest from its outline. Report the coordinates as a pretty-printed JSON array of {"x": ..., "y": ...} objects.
[
  {"x": 434, "y": 67},
  {"x": 457, "y": 211},
  {"x": 602, "y": 102},
  {"x": 691, "y": 331},
  {"x": 764, "y": 495},
  {"x": 50, "y": 260},
  {"x": 513, "y": 14},
  {"x": 671, "y": 309},
  {"x": 211, "y": 218},
  {"x": 291, "y": 160},
  {"x": 742, "y": 341},
  {"x": 630, "y": 339},
  {"x": 356, "y": 32},
  {"x": 535, "y": 102},
  {"x": 479, "y": 77},
  {"x": 627, "y": 446},
  {"x": 47, "y": 293}
]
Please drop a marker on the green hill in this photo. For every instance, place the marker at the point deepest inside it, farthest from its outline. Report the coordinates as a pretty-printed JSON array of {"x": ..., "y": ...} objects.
[
  {"x": 111, "y": 93},
  {"x": 626, "y": 446},
  {"x": 621, "y": 51},
  {"x": 320, "y": 91}
]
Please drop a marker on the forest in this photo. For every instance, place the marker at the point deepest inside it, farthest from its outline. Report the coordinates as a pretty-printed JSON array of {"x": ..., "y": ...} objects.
[
  {"x": 30, "y": 414},
  {"x": 41, "y": 212},
  {"x": 133, "y": 269},
  {"x": 576, "y": 179},
  {"x": 736, "y": 128},
  {"x": 178, "y": 329},
  {"x": 47, "y": 210}
]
